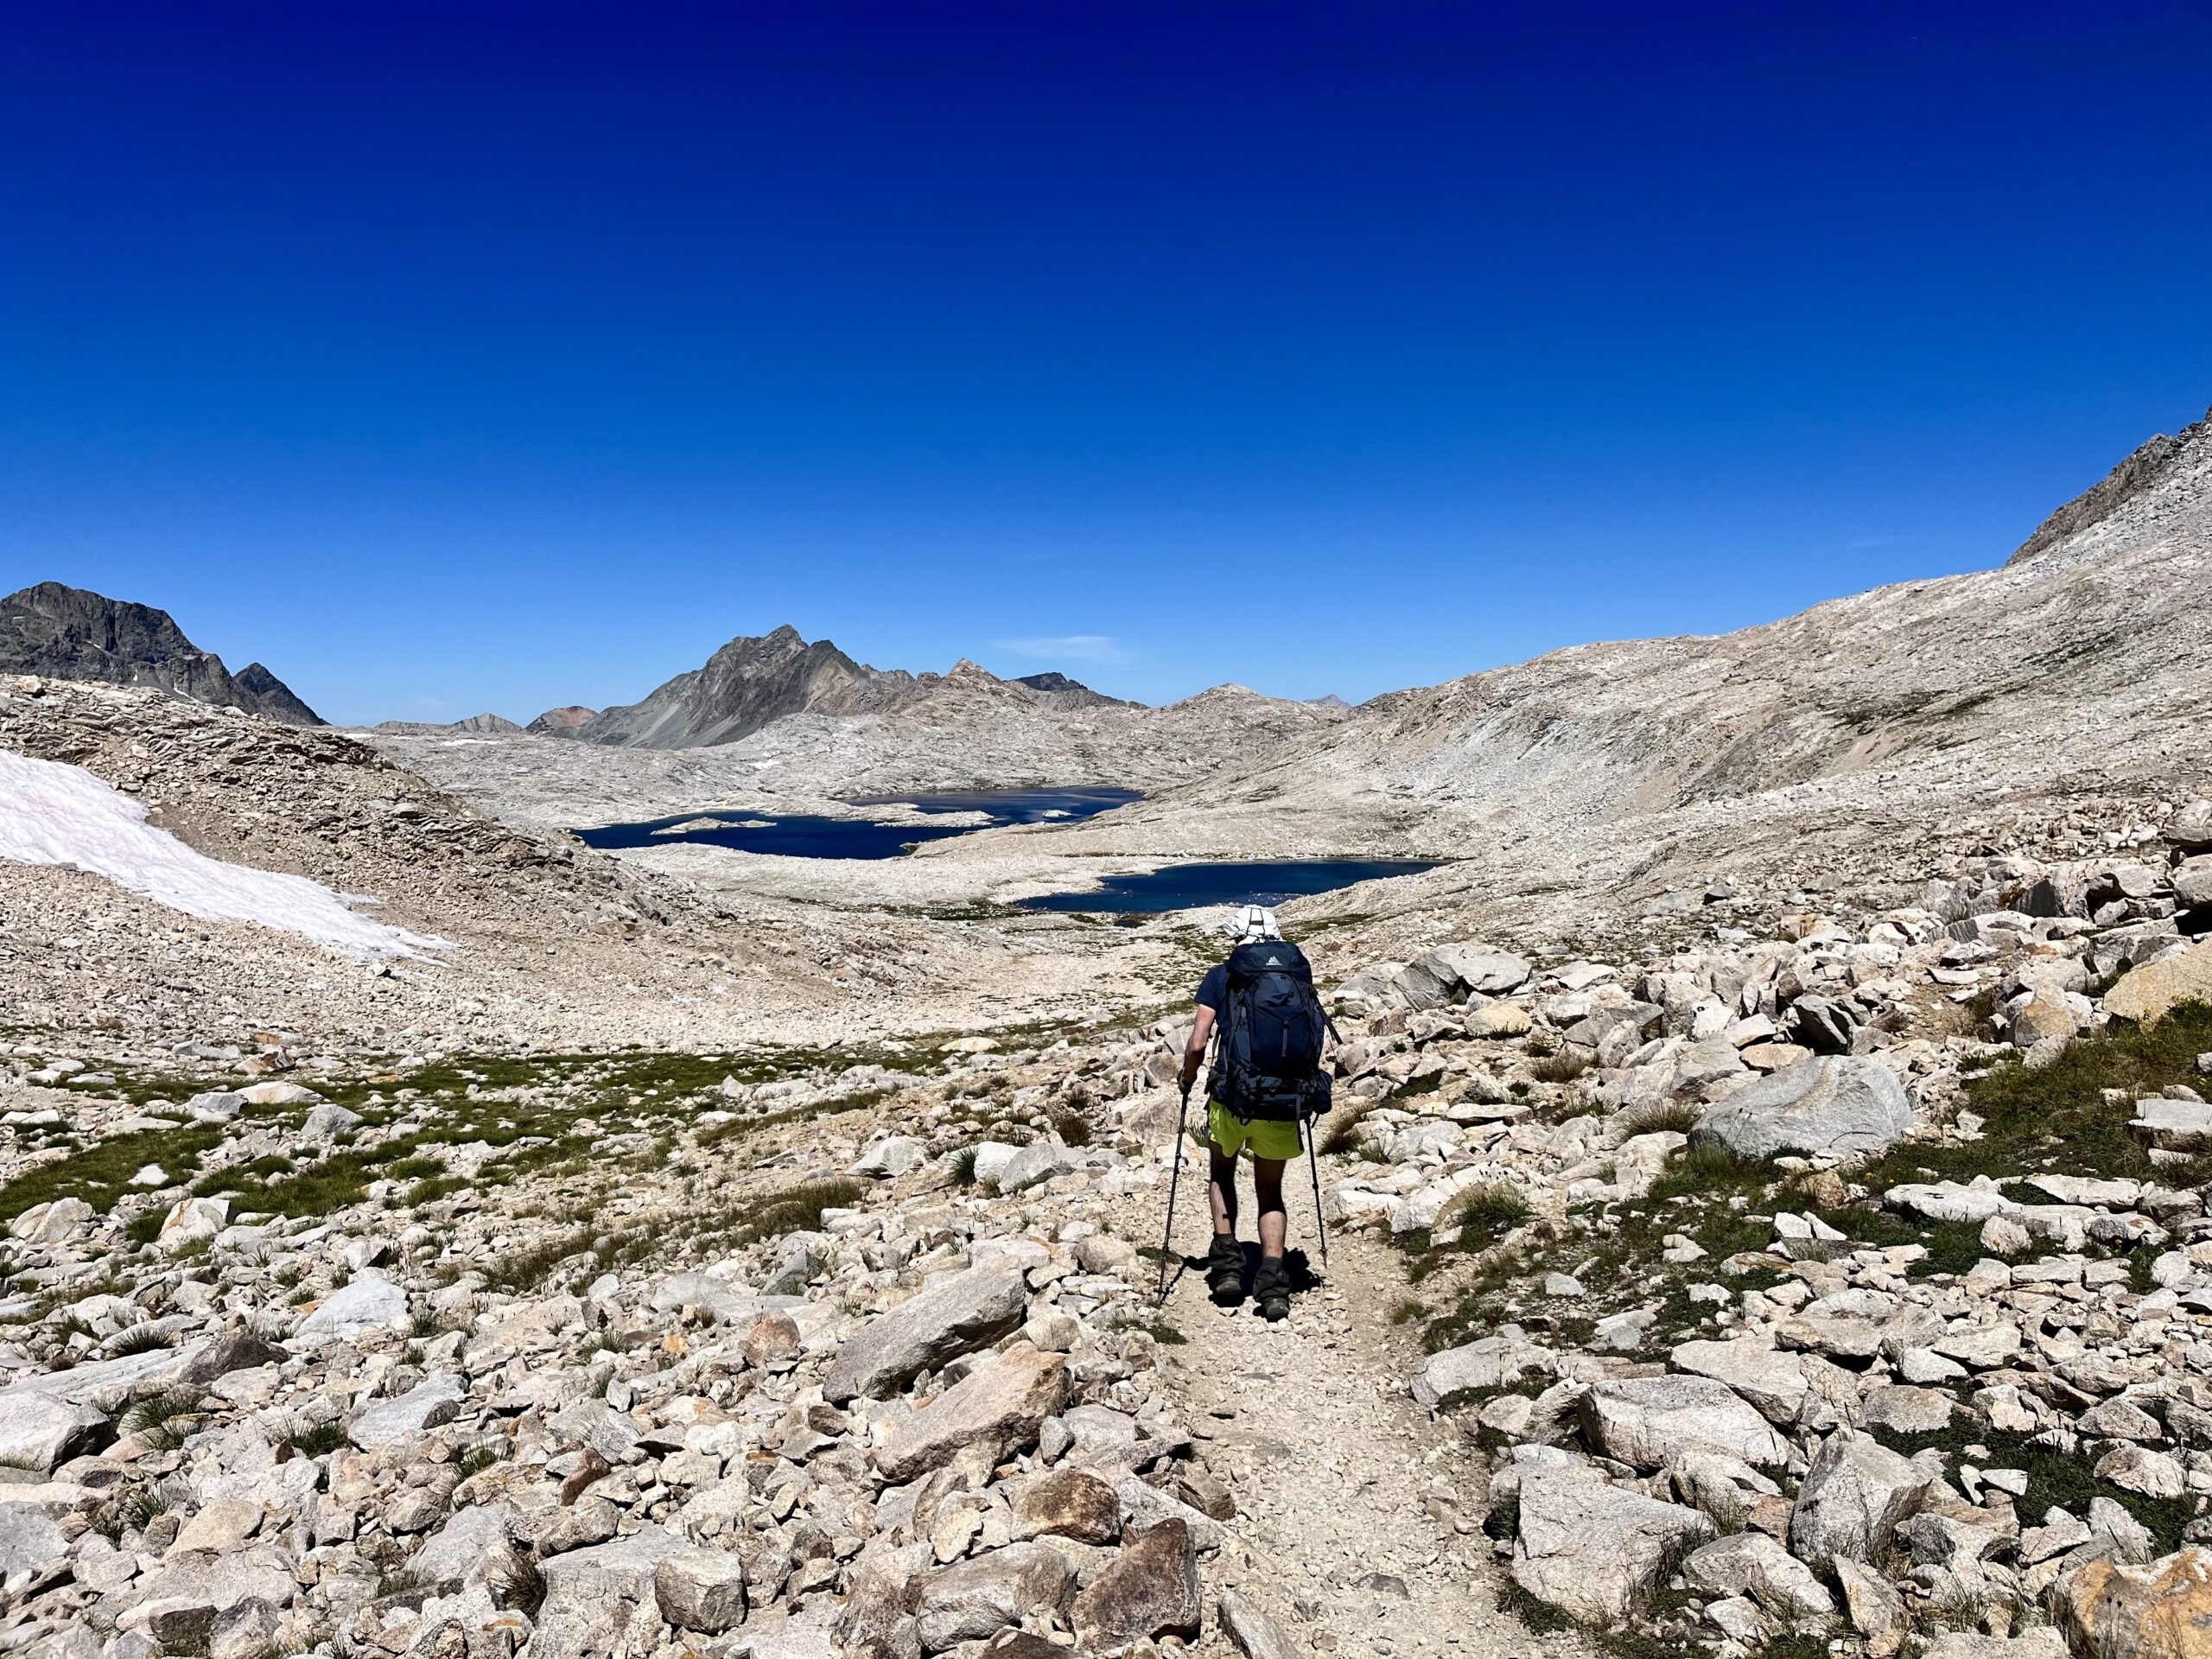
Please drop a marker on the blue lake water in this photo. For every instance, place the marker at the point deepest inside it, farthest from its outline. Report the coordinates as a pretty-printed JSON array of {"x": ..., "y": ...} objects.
[
  {"x": 1179, "y": 886},
  {"x": 806, "y": 836},
  {"x": 1186, "y": 887}
]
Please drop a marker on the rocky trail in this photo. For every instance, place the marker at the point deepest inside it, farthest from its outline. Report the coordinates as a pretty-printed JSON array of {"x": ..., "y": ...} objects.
[{"x": 1361, "y": 1514}]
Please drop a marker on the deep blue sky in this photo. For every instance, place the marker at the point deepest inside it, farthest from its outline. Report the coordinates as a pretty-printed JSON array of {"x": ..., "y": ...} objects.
[{"x": 479, "y": 356}]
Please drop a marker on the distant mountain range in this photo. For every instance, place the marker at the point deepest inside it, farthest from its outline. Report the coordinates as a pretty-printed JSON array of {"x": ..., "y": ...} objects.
[
  {"x": 752, "y": 683},
  {"x": 2082, "y": 664},
  {"x": 68, "y": 633},
  {"x": 489, "y": 725}
]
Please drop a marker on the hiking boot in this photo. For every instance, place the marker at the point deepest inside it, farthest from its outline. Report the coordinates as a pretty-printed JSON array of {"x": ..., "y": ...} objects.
[
  {"x": 1226, "y": 1270},
  {"x": 1271, "y": 1288}
]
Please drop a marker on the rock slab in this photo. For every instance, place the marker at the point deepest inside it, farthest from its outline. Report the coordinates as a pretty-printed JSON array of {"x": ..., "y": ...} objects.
[
  {"x": 1595, "y": 1550},
  {"x": 1853, "y": 1496},
  {"x": 967, "y": 1311},
  {"x": 1000, "y": 1406},
  {"x": 1150, "y": 1591},
  {"x": 1845, "y": 1106}
]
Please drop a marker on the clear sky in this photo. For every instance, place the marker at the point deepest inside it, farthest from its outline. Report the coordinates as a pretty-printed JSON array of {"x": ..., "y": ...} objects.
[{"x": 465, "y": 356}]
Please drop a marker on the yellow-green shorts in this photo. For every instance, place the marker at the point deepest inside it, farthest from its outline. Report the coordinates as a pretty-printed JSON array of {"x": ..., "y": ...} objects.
[{"x": 1263, "y": 1137}]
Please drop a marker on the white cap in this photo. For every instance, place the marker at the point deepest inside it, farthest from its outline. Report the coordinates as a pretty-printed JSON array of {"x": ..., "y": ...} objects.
[{"x": 1253, "y": 923}]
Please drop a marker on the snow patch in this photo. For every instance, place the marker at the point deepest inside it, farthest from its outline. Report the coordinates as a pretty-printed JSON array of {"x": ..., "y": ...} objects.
[{"x": 61, "y": 815}]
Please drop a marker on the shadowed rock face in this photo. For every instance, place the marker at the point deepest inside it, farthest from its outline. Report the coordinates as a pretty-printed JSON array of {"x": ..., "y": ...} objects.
[
  {"x": 67, "y": 633},
  {"x": 747, "y": 683}
]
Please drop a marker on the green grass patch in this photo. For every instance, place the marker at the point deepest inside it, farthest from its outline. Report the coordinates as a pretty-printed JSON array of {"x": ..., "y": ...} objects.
[
  {"x": 1711, "y": 1171},
  {"x": 2058, "y": 1120},
  {"x": 437, "y": 1187},
  {"x": 1565, "y": 1066},
  {"x": 314, "y": 1440},
  {"x": 100, "y": 1173},
  {"x": 795, "y": 1210},
  {"x": 2054, "y": 1476}
]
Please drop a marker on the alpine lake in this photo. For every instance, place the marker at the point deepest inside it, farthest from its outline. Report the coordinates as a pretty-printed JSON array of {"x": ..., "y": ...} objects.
[{"x": 1174, "y": 886}]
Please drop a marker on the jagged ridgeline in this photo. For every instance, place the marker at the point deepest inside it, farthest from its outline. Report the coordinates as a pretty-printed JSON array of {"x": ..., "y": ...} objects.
[
  {"x": 68, "y": 633},
  {"x": 752, "y": 683}
]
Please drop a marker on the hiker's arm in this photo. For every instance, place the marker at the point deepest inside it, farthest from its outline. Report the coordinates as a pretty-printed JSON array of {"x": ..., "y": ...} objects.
[{"x": 1195, "y": 1050}]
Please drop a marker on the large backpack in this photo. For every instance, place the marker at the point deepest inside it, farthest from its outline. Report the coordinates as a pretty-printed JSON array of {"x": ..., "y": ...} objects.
[{"x": 1268, "y": 1062}]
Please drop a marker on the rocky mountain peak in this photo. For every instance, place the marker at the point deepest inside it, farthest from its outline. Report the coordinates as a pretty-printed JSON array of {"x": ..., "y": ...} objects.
[
  {"x": 72, "y": 633},
  {"x": 561, "y": 722},
  {"x": 747, "y": 684},
  {"x": 1049, "y": 682},
  {"x": 2164, "y": 473}
]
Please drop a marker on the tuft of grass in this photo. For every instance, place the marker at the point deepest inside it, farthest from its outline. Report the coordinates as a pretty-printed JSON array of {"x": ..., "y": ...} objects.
[
  {"x": 1408, "y": 1311},
  {"x": 136, "y": 1509},
  {"x": 518, "y": 1585},
  {"x": 1680, "y": 1115},
  {"x": 1339, "y": 1136},
  {"x": 139, "y": 1339},
  {"x": 1540, "y": 1616},
  {"x": 1564, "y": 1067},
  {"x": 164, "y": 1419},
  {"x": 1072, "y": 1128},
  {"x": 963, "y": 1167},
  {"x": 314, "y": 1440},
  {"x": 1484, "y": 1213},
  {"x": 475, "y": 1459}
]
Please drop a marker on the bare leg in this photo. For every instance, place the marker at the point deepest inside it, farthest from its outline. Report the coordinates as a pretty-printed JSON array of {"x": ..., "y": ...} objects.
[
  {"x": 1222, "y": 1190},
  {"x": 1267, "y": 1178}
]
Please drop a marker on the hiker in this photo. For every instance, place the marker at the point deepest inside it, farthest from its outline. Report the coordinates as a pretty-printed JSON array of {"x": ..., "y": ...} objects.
[{"x": 1265, "y": 1081}]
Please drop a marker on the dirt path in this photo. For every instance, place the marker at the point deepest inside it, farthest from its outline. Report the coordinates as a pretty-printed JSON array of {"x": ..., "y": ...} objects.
[{"x": 1359, "y": 1519}]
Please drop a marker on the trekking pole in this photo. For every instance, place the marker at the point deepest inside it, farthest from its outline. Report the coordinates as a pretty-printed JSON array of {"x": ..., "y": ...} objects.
[
  {"x": 1175, "y": 1181},
  {"x": 1320, "y": 1224},
  {"x": 1312, "y": 1163}
]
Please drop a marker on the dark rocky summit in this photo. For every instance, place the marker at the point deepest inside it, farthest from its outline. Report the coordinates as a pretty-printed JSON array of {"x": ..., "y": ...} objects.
[
  {"x": 68, "y": 633},
  {"x": 752, "y": 683}
]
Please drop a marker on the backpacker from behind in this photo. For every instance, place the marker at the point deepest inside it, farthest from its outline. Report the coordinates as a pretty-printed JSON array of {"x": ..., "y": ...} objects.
[{"x": 1268, "y": 1062}]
